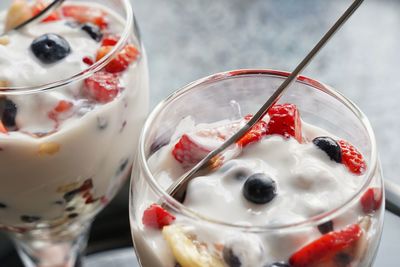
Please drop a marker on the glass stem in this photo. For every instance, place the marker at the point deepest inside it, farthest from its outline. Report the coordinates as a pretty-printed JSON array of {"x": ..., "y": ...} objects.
[{"x": 53, "y": 250}]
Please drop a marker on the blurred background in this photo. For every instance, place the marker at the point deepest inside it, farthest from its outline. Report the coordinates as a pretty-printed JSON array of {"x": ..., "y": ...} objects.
[{"x": 186, "y": 40}]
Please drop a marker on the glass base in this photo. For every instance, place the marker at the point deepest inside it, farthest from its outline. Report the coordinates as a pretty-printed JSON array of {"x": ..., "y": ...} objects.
[{"x": 115, "y": 258}]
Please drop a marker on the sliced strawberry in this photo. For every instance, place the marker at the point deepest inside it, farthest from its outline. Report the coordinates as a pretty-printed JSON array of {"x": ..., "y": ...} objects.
[
  {"x": 110, "y": 40},
  {"x": 88, "y": 60},
  {"x": 39, "y": 6},
  {"x": 157, "y": 217},
  {"x": 121, "y": 61},
  {"x": 371, "y": 200},
  {"x": 188, "y": 152},
  {"x": 102, "y": 86},
  {"x": 329, "y": 249},
  {"x": 352, "y": 158},
  {"x": 84, "y": 14},
  {"x": 255, "y": 134},
  {"x": 285, "y": 120}
]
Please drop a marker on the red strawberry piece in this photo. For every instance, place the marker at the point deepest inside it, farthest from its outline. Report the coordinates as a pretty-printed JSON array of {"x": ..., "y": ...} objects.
[
  {"x": 102, "y": 86},
  {"x": 329, "y": 249},
  {"x": 87, "y": 60},
  {"x": 285, "y": 120},
  {"x": 371, "y": 200},
  {"x": 255, "y": 134},
  {"x": 189, "y": 152},
  {"x": 84, "y": 14},
  {"x": 39, "y": 6},
  {"x": 352, "y": 158},
  {"x": 110, "y": 40},
  {"x": 121, "y": 61},
  {"x": 157, "y": 217}
]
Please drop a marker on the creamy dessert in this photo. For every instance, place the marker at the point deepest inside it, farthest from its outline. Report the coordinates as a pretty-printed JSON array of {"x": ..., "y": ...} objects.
[
  {"x": 281, "y": 173},
  {"x": 65, "y": 152}
]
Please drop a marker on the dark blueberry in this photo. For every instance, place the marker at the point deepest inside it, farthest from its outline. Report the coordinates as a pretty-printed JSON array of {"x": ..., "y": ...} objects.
[
  {"x": 9, "y": 112},
  {"x": 102, "y": 123},
  {"x": 70, "y": 209},
  {"x": 3, "y": 206},
  {"x": 343, "y": 259},
  {"x": 259, "y": 188},
  {"x": 278, "y": 264},
  {"x": 30, "y": 219},
  {"x": 73, "y": 215},
  {"x": 330, "y": 146},
  {"x": 50, "y": 48},
  {"x": 230, "y": 258},
  {"x": 326, "y": 227},
  {"x": 93, "y": 31}
]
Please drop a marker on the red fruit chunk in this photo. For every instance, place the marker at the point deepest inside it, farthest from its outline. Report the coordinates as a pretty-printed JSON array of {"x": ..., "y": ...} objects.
[
  {"x": 352, "y": 158},
  {"x": 255, "y": 134},
  {"x": 188, "y": 152},
  {"x": 122, "y": 61},
  {"x": 157, "y": 217},
  {"x": 102, "y": 86},
  {"x": 110, "y": 40},
  {"x": 84, "y": 14},
  {"x": 371, "y": 200},
  {"x": 285, "y": 120},
  {"x": 326, "y": 250},
  {"x": 39, "y": 6},
  {"x": 88, "y": 61}
]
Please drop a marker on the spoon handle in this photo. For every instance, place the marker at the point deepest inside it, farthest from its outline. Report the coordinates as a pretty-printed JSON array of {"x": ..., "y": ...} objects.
[
  {"x": 41, "y": 15},
  {"x": 179, "y": 186}
]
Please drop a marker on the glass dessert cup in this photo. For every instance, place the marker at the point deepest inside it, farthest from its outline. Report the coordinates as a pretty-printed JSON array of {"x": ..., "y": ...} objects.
[
  {"x": 216, "y": 98},
  {"x": 61, "y": 171}
]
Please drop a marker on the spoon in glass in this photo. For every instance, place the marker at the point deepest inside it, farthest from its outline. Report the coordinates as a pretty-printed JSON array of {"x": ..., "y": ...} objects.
[
  {"x": 39, "y": 16},
  {"x": 178, "y": 188}
]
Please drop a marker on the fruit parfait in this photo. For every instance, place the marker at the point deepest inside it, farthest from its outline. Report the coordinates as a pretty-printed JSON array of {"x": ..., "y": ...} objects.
[
  {"x": 302, "y": 188},
  {"x": 74, "y": 95}
]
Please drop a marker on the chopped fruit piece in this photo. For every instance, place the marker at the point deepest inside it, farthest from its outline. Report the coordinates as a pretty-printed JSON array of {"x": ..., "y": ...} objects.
[
  {"x": 4, "y": 40},
  {"x": 189, "y": 253},
  {"x": 102, "y": 86},
  {"x": 157, "y": 217},
  {"x": 50, "y": 48},
  {"x": 9, "y": 112},
  {"x": 62, "y": 106},
  {"x": 371, "y": 200},
  {"x": 93, "y": 30},
  {"x": 110, "y": 40},
  {"x": 88, "y": 61},
  {"x": 121, "y": 61},
  {"x": 328, "y": 248},
  {"x": 255, "y": 134},
  {"x": 259, "y": 188},
  {"x": 330, "y": 147},
  {"x": 49, "y": 148},
  {"x": 189, "y": 152},
  {"x": 83, "y": 14},
  {"x": 285, "y": 120},
  {"x": 18, "y": 13},
  {"x": 3, "y": 129},
  {"x": 352, "y": 158},
  {"x": 39, "y": 6}
]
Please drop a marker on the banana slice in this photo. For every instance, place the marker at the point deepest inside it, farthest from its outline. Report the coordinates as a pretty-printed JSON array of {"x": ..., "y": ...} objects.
[
  {"x": 18, "y": 12},
  {"x": 186, "y": 251}
]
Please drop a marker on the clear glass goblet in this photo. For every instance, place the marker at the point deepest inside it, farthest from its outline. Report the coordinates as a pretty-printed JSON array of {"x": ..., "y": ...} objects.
[
  {"x": 75, "y": 133},
  {"x": 231, "y": 95}
]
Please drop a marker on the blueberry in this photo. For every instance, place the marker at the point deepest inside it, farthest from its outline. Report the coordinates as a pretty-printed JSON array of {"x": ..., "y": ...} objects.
[
  {"x": 29, "y": 218},
  {"x": 50, "y": 48},
  {"x": 3, "y": 206},
  {"x": 9, "y": 112},
  {"x": 330, "y": 146},
  {"x": 259, "y": 188},
  {"x": 93, "y": 31},
  {"x": 326, "y": 227},
  {"x": 230, "y": 258},
  {"x": 278, "y": 264}
]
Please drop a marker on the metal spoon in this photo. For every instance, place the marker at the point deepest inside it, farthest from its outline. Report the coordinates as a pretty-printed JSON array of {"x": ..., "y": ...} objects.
[
  {"x": 178, "y": 188},
  {"x": 41, "y": 15}
]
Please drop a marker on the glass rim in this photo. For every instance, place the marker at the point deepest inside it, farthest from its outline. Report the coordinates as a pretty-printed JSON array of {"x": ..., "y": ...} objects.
[
  {"x": 312, "y": 221},
  {"x": 129, "y": 20}
]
